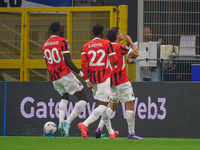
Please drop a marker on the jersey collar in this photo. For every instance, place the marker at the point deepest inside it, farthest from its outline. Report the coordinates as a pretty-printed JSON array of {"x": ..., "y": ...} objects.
[
  {"x": 113, "y": 43},
  {"x": 96, "y": 38},
  {"x": 53, "y": 35}
]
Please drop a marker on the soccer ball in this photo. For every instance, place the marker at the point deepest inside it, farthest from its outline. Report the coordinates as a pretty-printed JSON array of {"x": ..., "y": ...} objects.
[{"x": 49, "y": 128}]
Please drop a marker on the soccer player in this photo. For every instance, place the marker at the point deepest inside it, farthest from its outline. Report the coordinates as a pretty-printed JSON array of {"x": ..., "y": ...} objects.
[
  {"x": 59, "y": 63},
  {"x": 95, "y": 61},
  {"x": 121, "y": 89}
]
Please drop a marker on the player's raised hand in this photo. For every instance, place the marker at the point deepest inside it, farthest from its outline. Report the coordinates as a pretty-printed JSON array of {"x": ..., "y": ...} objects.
[{"x": 128, "y": 38}]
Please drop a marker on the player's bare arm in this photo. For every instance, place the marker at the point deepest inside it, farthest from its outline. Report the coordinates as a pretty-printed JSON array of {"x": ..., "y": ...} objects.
[
  {"x": 134, "y": 51},
  {"x": 85, "y": 71},
  {"x": 71, "y": 65},
  {"x": 90, "y": 85}
]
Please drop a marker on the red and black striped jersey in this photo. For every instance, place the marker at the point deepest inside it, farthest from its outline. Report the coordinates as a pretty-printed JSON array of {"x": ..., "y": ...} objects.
[
  {"x": 120, "y": 75},
  {"x": 96, "y": 55},
  {"x": 53, "y": 50}
]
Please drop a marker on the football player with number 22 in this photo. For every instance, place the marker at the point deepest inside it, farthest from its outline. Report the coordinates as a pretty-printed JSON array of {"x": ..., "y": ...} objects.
[{"x": 96, "y": 56}]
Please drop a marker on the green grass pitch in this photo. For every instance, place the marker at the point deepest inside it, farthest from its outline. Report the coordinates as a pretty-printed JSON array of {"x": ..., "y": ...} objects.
[{"x": 78, "y": 143}]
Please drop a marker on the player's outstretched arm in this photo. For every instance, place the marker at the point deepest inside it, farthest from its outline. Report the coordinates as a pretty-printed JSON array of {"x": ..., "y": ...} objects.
[
  {"x": 134, "y": 51},
  {"x": 71, "y": 65}
]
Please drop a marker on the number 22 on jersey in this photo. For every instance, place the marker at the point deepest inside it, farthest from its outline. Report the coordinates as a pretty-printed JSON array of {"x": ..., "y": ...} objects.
[{"x": 94, "y": 54}]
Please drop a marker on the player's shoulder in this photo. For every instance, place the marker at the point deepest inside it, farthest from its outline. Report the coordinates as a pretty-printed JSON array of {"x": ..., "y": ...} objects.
[
  {"x": 95, "y": 41},
  {"x": 105, "y": 41},
  {"x": 99, "y": 40},
  {"x": 116, "y": 45},
  {"x": 63, "y": 39},
  {"x": 122, "y": 46},
  {"x": 56, "y": 38}
]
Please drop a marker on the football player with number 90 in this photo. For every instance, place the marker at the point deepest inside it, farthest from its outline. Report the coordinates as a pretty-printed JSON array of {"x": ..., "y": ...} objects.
[{"x": 60, "y": 66}]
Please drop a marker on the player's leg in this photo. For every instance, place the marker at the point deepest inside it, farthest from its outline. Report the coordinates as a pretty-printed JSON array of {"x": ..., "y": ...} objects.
[
  {"x": 130, "y": 118},
  {"x": 106, "y": 120},
  {"x": 110, "y": 110},
  {"x": 113, "y": 106},
  {"x": 74, "y": 87},
  {"x": 100, "y": 110},
  {"x": 62, "y": 111},
  {"x": 96, "y": 113},
  {"x": 101, "y": 92},
  {"x": 127, "y": 96},
  {"x": 83, "y": 126},
  {"x": 106, "y": 115},
  {"x": 78, "y": 108},
  {"x": 62, "y": 105}
]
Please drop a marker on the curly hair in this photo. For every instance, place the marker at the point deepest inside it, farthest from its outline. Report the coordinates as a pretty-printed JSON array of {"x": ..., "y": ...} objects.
[
  {"x": 54, "y": 27},
  {"x": 112, "y": 34},
  {"x": 97, "y": 29}
]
